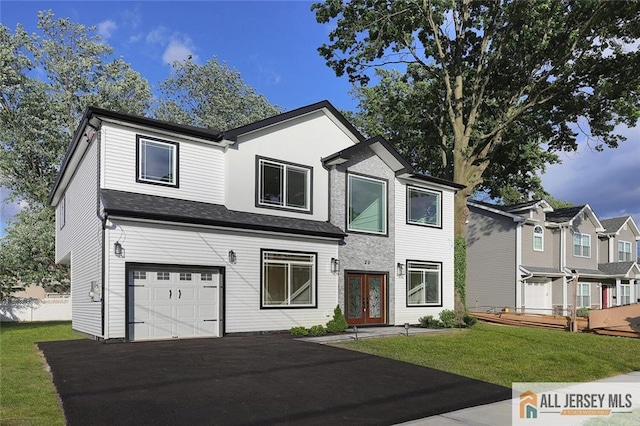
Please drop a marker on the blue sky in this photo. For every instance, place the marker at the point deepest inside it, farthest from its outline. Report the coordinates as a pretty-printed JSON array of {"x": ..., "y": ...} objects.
[{"x": 273, "y": 44}]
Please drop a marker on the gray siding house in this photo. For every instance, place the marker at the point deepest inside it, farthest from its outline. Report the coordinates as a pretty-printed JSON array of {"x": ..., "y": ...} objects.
[{"x": 526, "y": 257}]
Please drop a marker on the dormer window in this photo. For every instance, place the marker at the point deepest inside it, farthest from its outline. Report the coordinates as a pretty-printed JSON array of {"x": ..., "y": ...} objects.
[
  {"x": 157, "y": 161},
  {"x": 581, "y": 245},
  {"x": 283, "y": 185},
  {"x": 538, "y": 238},
  {"x": 624, "y": 251}
]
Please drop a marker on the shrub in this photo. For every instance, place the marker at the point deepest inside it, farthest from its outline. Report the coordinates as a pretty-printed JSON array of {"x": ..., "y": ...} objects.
[
  {"x": 299, "y": 331},
  {"x": 430, "y": 322},
  {"x": 317, "y": 330},
  {"x": 449, "y": 318},
  {"x": 338, "y": 324},
  {"x": 469, "y": 320},
  {"x": 583, "y": 312}
]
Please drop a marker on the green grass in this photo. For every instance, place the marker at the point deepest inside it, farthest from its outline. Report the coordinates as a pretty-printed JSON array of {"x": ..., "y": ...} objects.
[
  {"x": 27, "y": 395},
  {"x": 503, "y": 355}
]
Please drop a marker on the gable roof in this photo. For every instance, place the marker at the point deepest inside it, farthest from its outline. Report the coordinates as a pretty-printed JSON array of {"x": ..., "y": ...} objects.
[
  {"x": 564, "y": 214},
  {"x": 141, "y": 206},
  {"x": 233, "y": 134},
  {"x": 618, "y": 268},
  {"x": 613, "y": 225}
]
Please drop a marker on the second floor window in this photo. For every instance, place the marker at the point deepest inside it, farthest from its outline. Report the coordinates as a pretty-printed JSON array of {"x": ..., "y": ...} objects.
[
  {"x": 157, "y": 161},
  {"x": 624, "y": 251},
  {"x": 366, "y": 205},
  {"x": 284, "y": 185},
  {"x": 581, "y": 245},
  {"x": 62, "y": 212},
  {"x": 538, "y": 238},
  {"x": 423, "y": 207}
]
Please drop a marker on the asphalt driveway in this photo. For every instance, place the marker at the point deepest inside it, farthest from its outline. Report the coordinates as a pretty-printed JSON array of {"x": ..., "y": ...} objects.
[{"x": 249, "y": 380}]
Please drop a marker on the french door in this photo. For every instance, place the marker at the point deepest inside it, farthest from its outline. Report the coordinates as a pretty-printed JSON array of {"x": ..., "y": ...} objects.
[{"x": 366, "y": 299}]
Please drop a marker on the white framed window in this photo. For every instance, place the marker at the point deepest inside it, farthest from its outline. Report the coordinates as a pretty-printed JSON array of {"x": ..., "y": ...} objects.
[
  {"x": 424, "y": 207},
  {"x": 157, "y": 161},
  {"x": 162, "y": 276},
  {"x": 366, "y": 204},
  {"x": 581, "y": 245},
  {"x": 538, "y": 238},
  {"x": 62, "y": 212},
  {"x": 625, "y": 294},
  {"x": 284, "y": 185},
  {"x": 288, "y": 279},
  {"x": 139, "y": 275},
  {"x": 624, "y": 251},
  {"x": 424, "y": 283},
  {"x": 206, "y": 276},
  {"x": 185, "y": 276},
  {"x": 584, "y": 295}
]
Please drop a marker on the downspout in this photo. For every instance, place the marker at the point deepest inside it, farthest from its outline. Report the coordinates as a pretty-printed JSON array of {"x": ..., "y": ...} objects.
[
  {"x": 563, "y": 256},
  {"x": 103, "y": 220},
  {"x": 519, "y": 279}
]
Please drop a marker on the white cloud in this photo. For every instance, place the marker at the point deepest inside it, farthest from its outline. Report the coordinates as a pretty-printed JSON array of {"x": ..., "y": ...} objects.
[
  {"x": 106, "y": 28},
  {"x": 178, "y": 51},
  {"x": 177, "y": 46}
]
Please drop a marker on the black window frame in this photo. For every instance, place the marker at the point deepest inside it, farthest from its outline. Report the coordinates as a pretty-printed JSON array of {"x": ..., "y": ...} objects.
[
  {"x": 406, "y": 275},
  {"x": 408, "y": 207},
  {"x": 176, "y": 145},
  {"x": 283, "y": 207},
  {"x": 314, "y": 287}
]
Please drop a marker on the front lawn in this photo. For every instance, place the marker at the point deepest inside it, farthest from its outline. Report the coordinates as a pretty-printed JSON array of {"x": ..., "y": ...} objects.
[
  {"x": 27, "y": 395},
  {"x": 502, "y": 354}
]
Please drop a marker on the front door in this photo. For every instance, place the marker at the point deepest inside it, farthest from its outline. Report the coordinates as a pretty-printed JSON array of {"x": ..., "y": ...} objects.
[{"x": 365, "y": 297}]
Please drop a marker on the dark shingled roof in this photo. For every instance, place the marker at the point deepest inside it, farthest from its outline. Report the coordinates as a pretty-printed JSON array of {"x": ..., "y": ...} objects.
[
  {"x": 143, "y": 206},
  {"x": 615, "y": 268},
  {"x": 613, "y": 224},
  {"x": 543, "y": 270},
  {"x": 518, "y": 206},
  {"x": 564, "y": 215},
  {"x": 589, "y": 272}
]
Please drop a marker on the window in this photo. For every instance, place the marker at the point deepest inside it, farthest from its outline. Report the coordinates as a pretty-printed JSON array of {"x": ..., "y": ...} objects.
[
  {"x": 625, "y": 294},
  {"x": 288, "y": 279},
  {"x": 581, "y": 245},
  {"x": 163, "y": 276},
  {"x": 185, "y": 276},
  {"x": 206, "y": 276},
  {"x": 139, "y": 275},
  {"x": 366, "y": 205},
  {"x": 157, "y": 161},
  {"x": 624, "y": 251},
  {"x": 62, "y": 212},
  {"x": 423, "y": 207},
  {"x": 538, "y": 238},
  {"x": 284, "y": 185},
  {"x": 424, "y": 284},
  {"x": 584, "y": 295}
]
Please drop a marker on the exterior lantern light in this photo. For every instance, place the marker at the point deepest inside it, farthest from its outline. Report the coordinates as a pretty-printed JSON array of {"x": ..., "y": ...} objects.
[
  {"x": 400, "y": 269},
  {"x": 117, "y": 248},
  {"x": 232, "y": 256},
  {"x": 335, "y": 265}
]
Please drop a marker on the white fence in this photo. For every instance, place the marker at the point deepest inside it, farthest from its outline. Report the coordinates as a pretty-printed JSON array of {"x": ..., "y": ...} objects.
[{"x": 32, "y": 309}]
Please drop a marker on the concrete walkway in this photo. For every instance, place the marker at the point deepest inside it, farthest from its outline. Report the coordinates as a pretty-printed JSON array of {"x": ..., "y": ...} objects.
[{"x": 372, "y": 332}]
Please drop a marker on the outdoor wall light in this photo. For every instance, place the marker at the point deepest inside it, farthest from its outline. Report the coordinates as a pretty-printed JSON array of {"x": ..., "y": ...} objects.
[
  {"x": 117, "y": 248},
  {"x": 335, "y": 264},
  {"x": 232, "y": 256},
  {"x": 400, "y": 269}
]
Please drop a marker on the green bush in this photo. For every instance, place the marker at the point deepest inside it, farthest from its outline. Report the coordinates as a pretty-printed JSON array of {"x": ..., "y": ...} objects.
[
  {"x": 338, "y": 324},
  {"x": 583, "y": 312},
  {"x": 299, "y": 331},
  {"x": 449, "y": 318},
  {"x": 317, "y": 330},
  {"x": 430, "y": 322},
  {"x": 469, "y": 320}
]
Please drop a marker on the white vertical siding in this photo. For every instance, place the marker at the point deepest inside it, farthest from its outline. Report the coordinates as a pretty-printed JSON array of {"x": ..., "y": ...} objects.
[
  {"x": 178, "y": 245},
  {"x": 80, "y": 241},
  {"x": 200, "y": 166},
  {"x": 415, "y": 242},
  {"x": 305, "y": 141}
]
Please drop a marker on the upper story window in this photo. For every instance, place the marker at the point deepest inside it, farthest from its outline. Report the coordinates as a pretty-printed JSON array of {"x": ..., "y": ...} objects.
[
  {"x": 288, "y": 279},
  {"x": 581, "y": 245},
  {"x": 424, "y": 207},
  {"x": 538, "y": 238},
  {"x": 157, "y": 161},
  {"x": 424, "y": 284},
  {"x": 62, "y": 212},
  {"x": 624, "y": 251},
  {"x": 284, "y": 185},
  {"x": 366, "y": 205}
]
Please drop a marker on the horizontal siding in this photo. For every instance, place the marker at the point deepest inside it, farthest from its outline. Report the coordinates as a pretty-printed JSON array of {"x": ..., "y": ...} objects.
[
  {"x": 166, "y": 244},
  {"x": 583, "y": 227},
  {"x": 549, "y": 257},
  {"x": 628, "y": 236},
  {"x": 305, "y": 140},
  {"x": 423, "y": 243},
  {"x": 200, "y": 167},
  {"x": 80, "y": 240}
]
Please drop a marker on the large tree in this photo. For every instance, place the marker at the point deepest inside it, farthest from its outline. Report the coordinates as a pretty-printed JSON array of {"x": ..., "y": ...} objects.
[
  {"x": 482, "y": 84},
  {"x": 212, "y": 95},
  {"x": 46, "y": 80}
]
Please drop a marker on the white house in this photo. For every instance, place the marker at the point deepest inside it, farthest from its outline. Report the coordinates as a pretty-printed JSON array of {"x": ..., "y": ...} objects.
[{"x": 173, "y": 231}]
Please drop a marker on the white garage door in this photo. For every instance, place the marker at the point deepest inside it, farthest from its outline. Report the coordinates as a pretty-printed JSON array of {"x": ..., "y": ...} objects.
[
  {"x": 171, "y": 304},
  {"x": 537, "y": 297}
]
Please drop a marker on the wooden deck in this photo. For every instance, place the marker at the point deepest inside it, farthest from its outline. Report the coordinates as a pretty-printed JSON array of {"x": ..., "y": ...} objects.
[{"x": 556, "y": 322}]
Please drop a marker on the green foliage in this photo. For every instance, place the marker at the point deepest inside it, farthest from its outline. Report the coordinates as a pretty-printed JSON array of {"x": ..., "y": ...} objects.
[
  {"x": 449, "y": 318},
  {"x": 469, "y": 320},
  {"x": 460, "y": 270},
  {"x": 430, "y": 322},
  {"x": 583, "y": 312},
  {"x": 338, "y": 324},
  {"x": 211, "y": 95},
  {"x": 299, "y": 331},
  {"x": 317, "y": 330}
]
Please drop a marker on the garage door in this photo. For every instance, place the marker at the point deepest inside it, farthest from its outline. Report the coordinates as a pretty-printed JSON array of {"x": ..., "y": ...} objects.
[
  {"x": 537, "y": 297},
  {"x": 173, "y": 304}
]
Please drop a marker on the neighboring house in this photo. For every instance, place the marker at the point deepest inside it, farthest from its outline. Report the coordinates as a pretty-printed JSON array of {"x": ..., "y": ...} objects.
[
  {"x": 526, "y": 256},
  {"x": 173, "y": 231}
]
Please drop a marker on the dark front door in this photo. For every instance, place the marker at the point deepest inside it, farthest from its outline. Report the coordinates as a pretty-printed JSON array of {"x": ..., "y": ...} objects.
[{"x": 365, "y": 296}]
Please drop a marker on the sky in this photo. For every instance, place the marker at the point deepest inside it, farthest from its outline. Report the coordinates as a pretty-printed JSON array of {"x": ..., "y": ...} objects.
[{"x": 273, "y": 44}]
